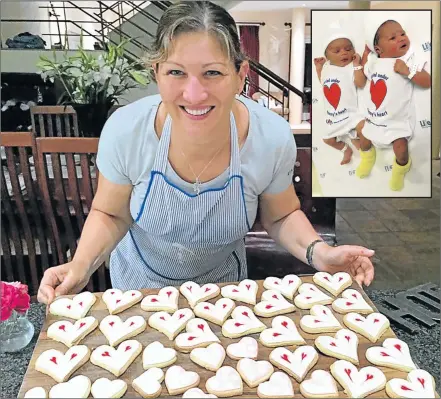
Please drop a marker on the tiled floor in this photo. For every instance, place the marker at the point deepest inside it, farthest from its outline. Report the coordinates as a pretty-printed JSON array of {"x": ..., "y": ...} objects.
[{"x": 405, "y": 233}]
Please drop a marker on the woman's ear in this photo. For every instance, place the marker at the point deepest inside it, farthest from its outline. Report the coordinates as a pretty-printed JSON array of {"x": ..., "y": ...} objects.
[{"x": 243, "y": 72}]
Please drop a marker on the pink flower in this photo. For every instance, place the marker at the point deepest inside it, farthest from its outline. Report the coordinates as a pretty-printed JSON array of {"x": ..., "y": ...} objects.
[{"x": 14, "y": 296}]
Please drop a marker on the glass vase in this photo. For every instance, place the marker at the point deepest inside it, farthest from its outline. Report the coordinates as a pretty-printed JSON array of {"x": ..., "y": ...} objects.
[{"x": 15, "y": 332}]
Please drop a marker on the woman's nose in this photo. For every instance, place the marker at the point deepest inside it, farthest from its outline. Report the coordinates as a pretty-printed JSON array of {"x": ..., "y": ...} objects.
[{"x": 194, "y": 91}]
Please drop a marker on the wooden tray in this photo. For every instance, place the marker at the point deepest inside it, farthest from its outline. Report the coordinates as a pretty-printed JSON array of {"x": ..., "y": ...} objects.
[{"x": 34, "y": 378}]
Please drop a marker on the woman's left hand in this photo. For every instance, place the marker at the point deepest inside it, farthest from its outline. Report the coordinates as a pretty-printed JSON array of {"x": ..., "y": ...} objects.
[{"x": 352, "y": 259}]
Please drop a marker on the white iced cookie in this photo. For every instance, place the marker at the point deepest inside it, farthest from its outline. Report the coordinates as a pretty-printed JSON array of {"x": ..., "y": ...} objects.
[
  {"x": 194, "y": 293},
  {"x": 178, "y": 380},
  {"x": 247, "y": 347},
  {"x": 358, "y": 383},
  {"x": 287, "y": 286},
  {"x": 156, "y": 355},
  {"x": 226, "y": 383},
  {"x": 283, "y": 333},
  {"x": 118, "y": 301},
  {"x": 216, "y": 313},
  {"x": 196, "y": 393},
  {"x": 245, "y": 291},
  {"x": 343, "y": 346},
  {"x": 297, "y": 363},
  {"x": 198, "y": 335},
  {"x": 273, "y": 303},
  {"x": 116, "y": 360},
  {"x": 75, "y": 308},
  {"x": 105, "y": 388},
  {"x": 351, "y": 301},
  {"x": 210, "y": 358},
  {"x": 148, "y": 384},
  {"x": 165, "y": 301},
  {"x": 37, "y": 392},
  {"x": 309, "y": 295},
  {"x": 242, "y": 322},
  {"x": 77, "y": 387},
  {"x": 254, "y": 372},
  {"x": 71, "y": 334},
  {"x": 279, "y": 386},
  {"x": 320, "y": 385},
  {"x": 171, "y": 325},
  {"x": 116, "y": 331},
  {"x": 320, "y": 319},
  {"x": 60, "y": 366},
  {"x": 372, "y": 327},
  {"x": 419, "y": 384},
  {"x": 394, "y": 354},
  {"x": 335, "y": 284}
]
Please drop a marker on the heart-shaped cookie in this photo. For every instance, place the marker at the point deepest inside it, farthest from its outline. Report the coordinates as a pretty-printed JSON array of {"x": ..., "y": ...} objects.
[
  {"x": 77, "y": 387},
  {"x": 321, "y": 384},
  {"x": 156, "y": 355},
  {"x": 279, "y": 386},
  {"x": 104, "y": 388},
  {"x": 273, "y": 303},
  {"x": 372, "y": 327},
  {"x": 194, "y": 293},
  {"x": 283, "y": 333},
  {"x": 343, "y": 346},
  {"x": 287, "y": 286},
  {"x": 75, "y": 308},
  {"x": 210, "y": 357},
  {"x": 334, "y": 284},
  {"x": 60, "y": 366},
  {"x": 254, "y": 372},
  {"x": 217, "y": 313},
  {"x": 118, "y": 301},
  {"x": 116, "y": 360},
  {"x": 358, "y": 383},
  {"x": 165, "y": 301},
  {"x": 242, "y": 322},
  {"x": 71, "y": 334},
  {"x": 246, "y": 291},
  {"x": 178, "y": 380},
  {"x": 225, "y": 383},
  {"x": 116, "y": 331},
  {"x": 419, "y": 384},
  {"x": 196, "y": 393},
  {"x": 297, "y": 363},
  {"x": 247, "y": 347},
  {"x": 198, "y": 335},
  {"x": 394, "y": 354},
  {"x": 351, "y": 301},
  {"x": 309, "y": 295},
  {"x": 320, "y": 320},
  {"x": 148, "y": 384},
  {"x": 171, "y": 325},
  {"x": 37, "y": 392}
]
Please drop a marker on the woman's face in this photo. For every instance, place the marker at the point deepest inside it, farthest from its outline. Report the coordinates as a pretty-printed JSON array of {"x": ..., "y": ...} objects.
[
  {"x": 340, "y": 52},
  {"x": 198, "y": 83},
  {"x": 392, "y": 41}
]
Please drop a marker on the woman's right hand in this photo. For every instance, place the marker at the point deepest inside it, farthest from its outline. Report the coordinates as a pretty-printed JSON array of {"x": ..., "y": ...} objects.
[{"x": 65, "y": 279}]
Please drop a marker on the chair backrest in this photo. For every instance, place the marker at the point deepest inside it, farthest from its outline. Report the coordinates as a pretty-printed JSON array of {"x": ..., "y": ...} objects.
[
  {"x": 27, "y": 241},
  {"x": 54, "y": 121}
]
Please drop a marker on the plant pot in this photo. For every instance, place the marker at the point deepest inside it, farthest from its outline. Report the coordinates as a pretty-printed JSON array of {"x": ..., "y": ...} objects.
[
  {"x": 15, "y": 332},
  {"x": 91, "y": 118}
]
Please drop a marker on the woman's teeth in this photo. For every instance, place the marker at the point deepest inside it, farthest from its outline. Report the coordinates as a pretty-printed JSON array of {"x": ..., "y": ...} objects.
[{"x": 199, "y": 111}]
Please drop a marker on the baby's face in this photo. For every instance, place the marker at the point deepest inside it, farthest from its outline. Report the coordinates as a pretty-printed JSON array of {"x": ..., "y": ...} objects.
[
  {"x": 392, "y": 41},
  {"x": 340, "y": 52}
]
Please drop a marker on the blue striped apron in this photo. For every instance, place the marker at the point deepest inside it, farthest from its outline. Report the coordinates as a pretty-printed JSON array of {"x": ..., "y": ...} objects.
[{"x": 179, "y": 236}]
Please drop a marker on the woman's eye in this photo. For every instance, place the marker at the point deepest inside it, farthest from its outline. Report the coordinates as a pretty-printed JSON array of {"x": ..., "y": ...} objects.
[
  {"x": 213, "y": 73},
  {"x": 172, "y": 72}
]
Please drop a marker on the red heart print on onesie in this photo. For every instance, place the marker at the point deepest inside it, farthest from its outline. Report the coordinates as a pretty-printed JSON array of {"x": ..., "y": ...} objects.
[
  {"x": 378, "y": 91},
  {"x": 332, "y": 94}
]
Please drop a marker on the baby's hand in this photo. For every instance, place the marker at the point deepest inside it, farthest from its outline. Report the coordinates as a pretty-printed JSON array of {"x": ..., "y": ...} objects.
[
  {"x": 401, "y": 67},
  {"x": 357, "y": 59},
  {"x": 319, "y": 62}
]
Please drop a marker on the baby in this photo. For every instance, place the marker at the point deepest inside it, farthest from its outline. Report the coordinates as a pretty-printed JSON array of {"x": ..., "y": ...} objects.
[
  {"x": 393, "y": 69},
  {"x": 340, "y": 73}
]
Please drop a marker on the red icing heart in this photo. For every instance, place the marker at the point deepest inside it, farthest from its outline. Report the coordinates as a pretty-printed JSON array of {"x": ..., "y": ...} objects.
[
  {"x": 404, "y": 388},
  {"x": 118, "y": 300},
  {"x": 276, "y": 334},
  {"x": 340, "y": 278},
  {"x": 248, "y": 286},
  {"x": 285, "y": 324},
  {"x": 162, "y": 318},
  {"x": 169, "y": 293},
  {"x": 206, "y": 307},
  {"x": 360, "y": 319},
  {"x": 348, "y": 372},
  {"x": 285, "y": 357},
  {"x": 275, "y": 296},
  {"x": 303, "y": 355},
  {"x": 189, "y": 288},
  {"x": 324, "y": 312},
  {"x": 224, "y": 305},
  {"x": 348, "y": 337},
  {"x": 269, "y": 306},
  {"x": 207, "y": 289},
  {"x": 74, "y": 355},
  {"x": 332, "y": 94},
  {"x": 238, "y": 324},
  {"x": 53, "y": 360},
  {"x": 62, "y": 327},
  {"x": 333, "y": 344},
  {"x": 68, "y": 306},
  {"x": 131, "y": 324},
  {"x": 133, "y": 293},
  {"x": 276, "y": 283},
  {"x": 398, "y": 346},
  {"x": 181, "y": 316},
  {"x": 290, "y": 281},
  {"x": 326, "y": 278},
  {"x": 127, "y": 348},
  {"x": 105, "y": 354},
  {"x": 201, "y": 327},
  {"x": 369, "y": 377},
  {"x": 246, "y": 314},
  {"x": 421, "y": 381},
  {"x": 376, "y": 321},
  {"x": 378, "y": 92},
  {"x": 81, "y": 303},
  {"x": 191, "y": 338},
  {"x": 154, "y": 300},
  {"x": 354, "y": 295},
  {"x": 81, "y": 325},
  {"x": 317, "y": 321},
  {"x": 112, "y": 293},
  {"x": 111, "y": 323},
  {"x": 384, "y": 354},
  {"x": 235, "y": 290},
  {"x": 308, "y": 297},
  {"x": 349, "y": 303}
]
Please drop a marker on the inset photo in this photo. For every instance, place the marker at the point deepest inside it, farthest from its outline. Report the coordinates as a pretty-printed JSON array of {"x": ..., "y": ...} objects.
[{"x": 371, "y": 103}]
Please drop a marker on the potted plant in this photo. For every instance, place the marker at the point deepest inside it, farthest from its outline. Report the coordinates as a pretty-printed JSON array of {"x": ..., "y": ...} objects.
[{"x": 93, "y": 84}]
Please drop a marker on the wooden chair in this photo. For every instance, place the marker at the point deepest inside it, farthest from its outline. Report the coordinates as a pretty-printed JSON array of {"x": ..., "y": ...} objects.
[
  {"x": 27, "y": 241},
  {"x": 54, "y": 121},
  {"x": 68, "y": 193}
]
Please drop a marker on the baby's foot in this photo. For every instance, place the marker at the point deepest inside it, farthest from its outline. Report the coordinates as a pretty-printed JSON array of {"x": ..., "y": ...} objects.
[{"x": 347, "y": 155}]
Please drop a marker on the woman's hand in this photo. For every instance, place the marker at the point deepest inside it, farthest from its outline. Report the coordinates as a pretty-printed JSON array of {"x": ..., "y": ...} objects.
[
  {"x": 65, "y": 279},
  {"x": 352, "y": 259}
]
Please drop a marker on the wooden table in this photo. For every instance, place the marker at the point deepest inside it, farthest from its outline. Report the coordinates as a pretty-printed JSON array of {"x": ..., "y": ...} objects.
[{"x": 34, "y": 378}]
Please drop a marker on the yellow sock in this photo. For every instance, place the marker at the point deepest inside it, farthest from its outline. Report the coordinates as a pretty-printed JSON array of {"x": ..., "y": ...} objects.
[
  {"x": 396, "y": 182},
  {"x": 367, "y": 163}
]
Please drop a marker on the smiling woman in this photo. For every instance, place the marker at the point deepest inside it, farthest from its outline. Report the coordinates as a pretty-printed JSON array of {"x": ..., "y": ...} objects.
[{"x": 183, "y": 172}]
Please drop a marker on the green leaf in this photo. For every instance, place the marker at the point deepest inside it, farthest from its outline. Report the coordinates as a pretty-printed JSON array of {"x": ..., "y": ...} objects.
[{"x": 139, "y": 77}]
